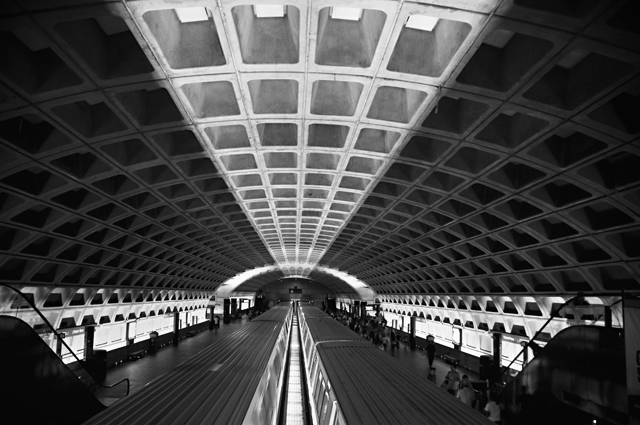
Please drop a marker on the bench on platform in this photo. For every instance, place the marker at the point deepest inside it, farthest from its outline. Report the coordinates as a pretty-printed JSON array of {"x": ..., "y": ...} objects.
[
  {"x": 136, "y": 355},
  {"x": 451, "y": 360}
]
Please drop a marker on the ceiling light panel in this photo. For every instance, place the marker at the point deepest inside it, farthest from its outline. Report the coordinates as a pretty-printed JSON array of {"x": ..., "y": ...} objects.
[
  {"x": 192, "y": 14},
  {"x": 346, "y": 13},
  {"x": 422, "y": 22},
  {"x": 269, "y": 10}
]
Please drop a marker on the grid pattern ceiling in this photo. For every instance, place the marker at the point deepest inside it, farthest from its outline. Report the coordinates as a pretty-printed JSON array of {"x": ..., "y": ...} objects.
[{"x": 483, "y": 147}]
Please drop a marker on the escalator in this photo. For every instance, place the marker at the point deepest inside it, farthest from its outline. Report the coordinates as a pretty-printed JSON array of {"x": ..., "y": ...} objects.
[
  {"x": 578, "y": 376},
  {"x": 37, "y": 387}
]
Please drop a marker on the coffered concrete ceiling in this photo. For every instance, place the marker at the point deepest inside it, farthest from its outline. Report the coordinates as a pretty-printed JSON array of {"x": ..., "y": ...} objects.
[{"x": 445, "y": 147}]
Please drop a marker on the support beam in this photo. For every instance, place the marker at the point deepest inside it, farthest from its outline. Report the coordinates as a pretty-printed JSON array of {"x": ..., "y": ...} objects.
[
  {"x": 497, "y": 356},
  {"x": 176, "y": 328},
  {"x": 412, "y": 335},
  {"x": 234, "y": 308},
  {"x": 226, "y": 319}
]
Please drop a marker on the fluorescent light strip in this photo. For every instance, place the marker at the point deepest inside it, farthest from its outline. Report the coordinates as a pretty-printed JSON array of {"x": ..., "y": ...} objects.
[
  {"x": 192, "y": 14},
  {"x": 269, "y": 10},
  {"x": 346, "y": 13},
  {"x": 422, "y": 22}
]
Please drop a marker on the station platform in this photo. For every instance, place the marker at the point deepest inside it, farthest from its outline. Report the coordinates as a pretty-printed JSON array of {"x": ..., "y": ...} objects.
[
  {"x": 144, "y": 370},
  {"x": 417, "y": 359}
]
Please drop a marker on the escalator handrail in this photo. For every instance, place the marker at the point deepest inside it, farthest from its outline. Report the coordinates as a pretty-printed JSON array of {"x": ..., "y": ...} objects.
[
  {"x": 44, "y": 319},
  {"x": 553, "y": 315}
]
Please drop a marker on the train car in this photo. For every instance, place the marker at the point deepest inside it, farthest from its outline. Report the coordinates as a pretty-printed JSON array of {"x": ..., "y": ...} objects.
[
  {"x": 350, "y": 381},
  {"x": 237, "y": 380}
]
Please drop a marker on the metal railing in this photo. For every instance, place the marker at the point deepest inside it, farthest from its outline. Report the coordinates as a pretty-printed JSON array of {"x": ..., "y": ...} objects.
[{"x": 61, "y": 339}]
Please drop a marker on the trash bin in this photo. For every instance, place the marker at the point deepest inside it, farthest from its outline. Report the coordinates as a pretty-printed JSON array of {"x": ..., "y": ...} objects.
[
  {"x": 153, "y": 342},
  {"x": 99, "y": 365},
  {"x": 486, "y": 367}
]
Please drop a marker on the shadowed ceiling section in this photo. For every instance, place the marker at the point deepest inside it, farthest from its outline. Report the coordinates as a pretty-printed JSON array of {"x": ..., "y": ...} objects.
[
  {"x": 332, "y": 284},
  {"x": 480, "y": 149}
]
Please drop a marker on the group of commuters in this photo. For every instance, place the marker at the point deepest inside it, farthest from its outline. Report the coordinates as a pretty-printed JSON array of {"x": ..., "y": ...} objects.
[
  {"x": 372, "y": 328},
  {"x": 460, "y": 387},
  {"x": 375, "y": 330}
]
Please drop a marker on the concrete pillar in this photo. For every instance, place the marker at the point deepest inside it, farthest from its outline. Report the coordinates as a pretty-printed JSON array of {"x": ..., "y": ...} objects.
[
  {"x": 89, "y": 333},
  {"x": 176, "y": 328},
  {"x": 412, "y": 335},
  {"x": 226, "y": 318},
  {"x": 356, "y": 307},
  {"x": 363, "y": 308},
  {"x": 497, "y": 356},
  {"x": 608, "y": 317},
  {"x": 234, "y": 308}
]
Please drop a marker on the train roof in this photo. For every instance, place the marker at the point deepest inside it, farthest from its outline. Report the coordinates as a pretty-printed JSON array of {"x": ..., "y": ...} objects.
[
  {"x": 311, "y": 311},
  {"x": 276, "y": 313},
  {"x": 214, "y": 386},
  {"x": 375, "y": 388},
  {"x": 328, "y": 329},
  {"x": 324, "y": 328}
]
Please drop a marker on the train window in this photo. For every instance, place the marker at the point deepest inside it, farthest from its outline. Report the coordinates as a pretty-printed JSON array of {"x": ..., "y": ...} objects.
[
  {"x": 268, "y": 405},
  {"x": 277, "y": 363},
  {"x": 319, "y": 393},
  {"x": 334, "y": 408},
  {"x": 340, "y": 419},
  {"x": 325, "y": 407},
  {"x": 271, "y": 371},
  {"x": 314, "y": 366},
  {"x": 319, "y": 374}
]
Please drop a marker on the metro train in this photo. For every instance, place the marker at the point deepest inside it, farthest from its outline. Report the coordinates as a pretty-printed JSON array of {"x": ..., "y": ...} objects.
[
  {"x": 352, "y": 382},
  {"x": 237, "y": 380}
]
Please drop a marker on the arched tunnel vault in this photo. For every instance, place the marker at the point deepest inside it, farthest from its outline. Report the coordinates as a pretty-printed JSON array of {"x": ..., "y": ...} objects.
[
  {"x": 306, "y": 290},
  {"x": 252, "y": 282},
  {"x": 475, "y": 158}
]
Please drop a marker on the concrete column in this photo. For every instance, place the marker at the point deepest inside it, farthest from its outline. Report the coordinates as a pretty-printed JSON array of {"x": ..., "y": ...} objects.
[
  {"x": 363, "y": 308},
  {"x": 234, "y": 308},
  {"x": 497, "y": 356},
  {"x": 89, "y": 333},
  {"x": 608, "y": 317},
  {"x": 356, "y": 307},
  {"x": 176, "y": 328},
  {"x": 412, "y": 335},
  {"x": 226, "y": 318}
]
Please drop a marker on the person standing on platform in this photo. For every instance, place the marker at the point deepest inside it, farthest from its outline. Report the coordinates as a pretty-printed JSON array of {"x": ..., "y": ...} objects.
[
  {"x": 393, "y": 341},
  {"x": 432, "y": 375},
  {"x": 466, "y": 393},
  {"x": 453, "y": 379},
  {"x": 431, "y": 352},
  {"x": 492, "y": 409}
]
